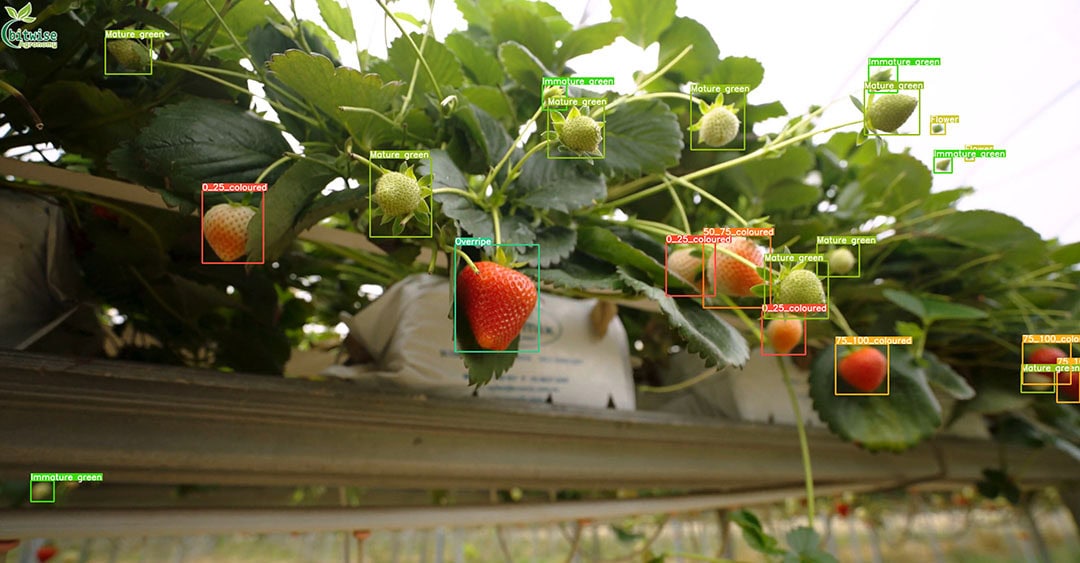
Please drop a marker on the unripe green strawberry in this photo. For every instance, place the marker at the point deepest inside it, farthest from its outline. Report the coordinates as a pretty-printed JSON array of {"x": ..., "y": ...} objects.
[
  {"x": 800, "y": 287},
  {"x": 397, "y": 194},
  {"x": 580, "y": 133},
  {"x": 889, "y": 112},
  {"x": 718, "y": 127},
  {"x": 841, "y": 261},
  {"x": 225, "y": 227},
  {"x": 943, "y": 165},
  {"x": 496, "y": 301},
  {"x": 131, "y": 54}
]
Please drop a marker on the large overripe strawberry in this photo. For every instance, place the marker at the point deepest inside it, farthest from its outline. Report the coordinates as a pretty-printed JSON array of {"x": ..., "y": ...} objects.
[
  {"x": 225, "y": 227},
  {"x": 496, "y": 301},
  {"x": 731, "y": 276},
  {"x": 864, "y": 369}
]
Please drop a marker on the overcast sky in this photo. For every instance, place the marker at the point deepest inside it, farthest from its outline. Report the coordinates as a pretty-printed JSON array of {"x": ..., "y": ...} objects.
[{"x": 1010, "y": 70}]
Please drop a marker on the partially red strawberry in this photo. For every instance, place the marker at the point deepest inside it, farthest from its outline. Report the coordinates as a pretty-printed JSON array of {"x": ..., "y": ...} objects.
[
  {"x": 46, "y": 552},
  {"x": 225, "y": 227},
  {"x": 733, "y": 277},
  {"x": 1048, "y": 355},
  {"x": 497, "y": 301},
  {"x": 784, "y": 334},
  {"x": 864, "y": 369}
]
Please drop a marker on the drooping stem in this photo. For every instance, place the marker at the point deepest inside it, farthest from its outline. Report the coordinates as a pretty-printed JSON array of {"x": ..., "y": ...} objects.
[
  {"x": 38, "y": 124},
  {"x": 839, "y": 320},
  {"x": 272, "y": 166},
  {"x": 680, "y": 385},
  {"x": 467, "y": 259},
  {"x": 808, "y": 473},
  {"x": 679, "y": 207}
]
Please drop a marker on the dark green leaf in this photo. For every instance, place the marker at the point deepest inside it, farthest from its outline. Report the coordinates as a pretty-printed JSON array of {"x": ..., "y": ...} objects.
[
  {"x": 444, "y": 65},
  {"x": 696, "y": 63},
  {"x": 522, "y": 65},
  {"x": 486, "y": 134},
  {"x": 556, "y": 243},
  {"x": 1068, "y": 254},
  {"x": 931, "y": 309},
  {"x": 645, "y": 19},
  {"x": 759, "y": 113},
  {"x": 315, "y": 80},
  {"x": 804, "y": 542},
  {"x": 754, "y": 534},
  {"x": 516, "y": 22},
  {"x": 555, "y": 184},
  {"x": 84, "y": 116},
  {"x": 944, "y": 377},
  {"x": 705, "y": 333},
  {"x": 894, "y": 422},
  {"x": 198, "y": 141},
  {"x": 756, "y": 176},
  {"x": 241, "y": 17},
  {"x": 286, "y": 200},
  {"x": 991, "y": 231},
  {"x": 894, "y": 181},
  {"x": 445, "y": 173},
  {"x": 603, "y": 244},
  {"x": 790, "y": 194},
  {"x": 640, "y": 138},
  {"x": 481, "y": 65},
  {"x": 490, "y": 99},
  {"x": 585, "y": 40},
  {"x": 584, "y": 273},
  {"x": 336, "y": 202}
]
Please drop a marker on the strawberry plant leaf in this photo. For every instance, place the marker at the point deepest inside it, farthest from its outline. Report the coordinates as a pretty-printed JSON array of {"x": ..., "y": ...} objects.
[
  {"x": 787, "y": 195},
  {"x": 338, "y": 18},
  {"x": 582, "y": 272},
  {"x": 80, "y": 115},
  {"x": 761, "y": 112},
  {"x": 755, "y": 177},
  {"x": 858, "y": 103},
  {"x": 737, "y": 70},
  {"x": 444, "y": 65},
  {"x": 522, "y": 65},
  {"x": 705, "y": 333},
  {"x": 485, "y": 131},
  {"x": 587, "y": 39},
  {"x": 517, "y": 22},
  {"x": 287, "y": 198},
  {"x": 1068, "y": 254},
  {"x": 909, "y": 414},
  {"x": 554, "y": 184},
  {"x": 754, "y": 534},
  {"x": 891, "y": 181},
  {"x": 198, "y": 141},
  {"x": 944, "y": 377},
  {"x": 931, "y": 309},
  {"x": 641, "y": 138},
  {"x": 556, "y": 243},
  {"x": 492, "y": 100},
  {"x": 443, "y": 171},
  {"x": 314, "y": 79},
  {"x": 481, "y": 66},
  {"x": 603, "y": 244},
  {"x": 681, "y": 33},
  {"x": 240, "y": 16},
  {"x": 989, "y": 231},
  {"x": 803, "y": 543},
  {"x": 645, "y": 19}
]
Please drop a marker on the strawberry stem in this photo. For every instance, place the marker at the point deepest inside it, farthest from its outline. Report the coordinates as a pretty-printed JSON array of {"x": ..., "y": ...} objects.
[
  {"x": 510, "y": 150},
  {"x": 680, "y": 385},
  {"x": 446, "y": 190},
  {"x": 685, "y": 183},
  {"x": 467, "y": 259},
  {"x": 839, "y": 320},
  {"x": 516, "y": 170},
  {"x": 372, "y": 165},
  {"x": 679, "y": 207},
  {"x": 808, "y": 473}
]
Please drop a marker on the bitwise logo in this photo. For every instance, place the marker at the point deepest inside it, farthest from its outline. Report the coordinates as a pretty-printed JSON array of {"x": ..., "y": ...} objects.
[{"x": 17, "y": 38}]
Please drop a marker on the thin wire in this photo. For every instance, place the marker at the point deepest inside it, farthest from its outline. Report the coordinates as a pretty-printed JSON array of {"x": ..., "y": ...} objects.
[{"x": 843, "y": 84}]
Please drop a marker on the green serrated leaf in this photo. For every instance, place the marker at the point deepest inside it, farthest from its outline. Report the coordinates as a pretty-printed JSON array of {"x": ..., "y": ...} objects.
[
  {"x": 605, "y": 245},
  {"x": 645, "y": 19},
  {"x": 641, "y": 138},
  {"x": 556, "y": 243},
  {"x": 585, "y": 40},
  {"x": 287, "y": 198},
  {"x": 314, "y": 79},
  {"x": 681, "y": 33},
  {"x": 584, "y": 273},
  {"x": 522, "y": 65},
  {"x": 894, "y": 422},
  {"x": 198, "y": 141},
  {"x": 482, "y": 66},
  {"x": 443, "y": 63},
  {"x": 338, "y": 18},
  {"x": 737, "y": 70},
  {"x": 990, "y": 231},
  {"x": 552, "y": 184},
  {"x": 517, "y": 22},
  {"x": 705, "y": 333},
  {"x": 754, "y": 534},
  {"x": 944, "y": 377}
]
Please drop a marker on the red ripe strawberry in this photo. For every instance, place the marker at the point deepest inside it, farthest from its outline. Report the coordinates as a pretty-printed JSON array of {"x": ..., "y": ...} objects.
[
  {"x": 45, "y": 553},
  {"x": 225, "y": 227},
  {"x": 731, "y": 276},
  {"x": 843, "y": 509},
  {"x": 1048, "y": 355},
  {"x": 784, "y": 334},
  {"x": 497, "y": 301},
  {"x": 105, "y": 213},
  {"x": 864, "y": 369}
]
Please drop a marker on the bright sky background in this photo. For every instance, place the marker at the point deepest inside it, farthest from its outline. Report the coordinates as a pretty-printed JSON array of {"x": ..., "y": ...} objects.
[{"x": 1010, "y": 70}]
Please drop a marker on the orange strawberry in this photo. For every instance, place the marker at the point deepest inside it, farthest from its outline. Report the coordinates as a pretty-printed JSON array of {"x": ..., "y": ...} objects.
[
  {"x": 784, "y": 334},
  {"x": 864, "y": 369},
  {"x": 731, "y": 276},
  {"x": 225, "y": 227},
  {"x": 497, "y": 301},
  {"x": 687, "y": 263}
]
